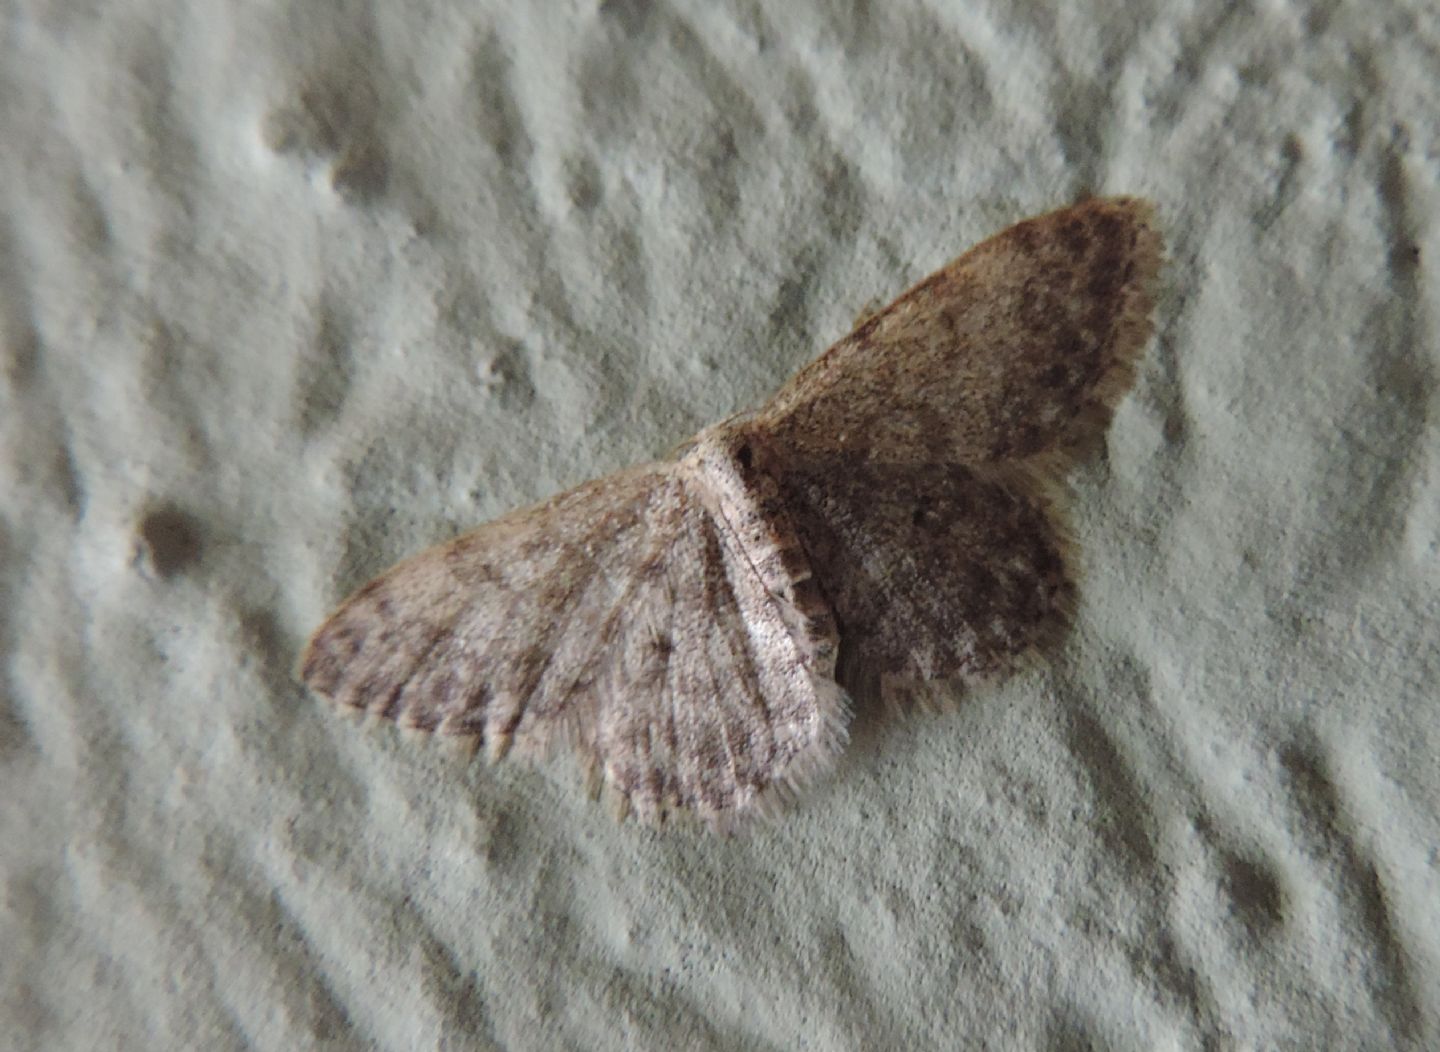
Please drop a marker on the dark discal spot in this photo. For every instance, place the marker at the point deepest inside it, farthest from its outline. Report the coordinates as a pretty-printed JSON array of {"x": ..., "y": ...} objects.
[
  {"x": 1026, "y": 237},
  {"x": 1055, "y": 376},
  {"x": 349, "y": 640},
  {"x": 922, "y": 513},
  {"x": 468, "y": 570},
  {"x": 167, "y": 540},
  {"x": 948, "y": 321},
  {"x": 981, "y": 580},
  {"x": 1074, "y": 349},
  {"x": 746, "y": 456},
  {"x": 1112, "y": 268},
  {"x": 1106, "y": 281},
  {"x": 1109, "y": 230},
  {"x": 1074, "y": 235}
]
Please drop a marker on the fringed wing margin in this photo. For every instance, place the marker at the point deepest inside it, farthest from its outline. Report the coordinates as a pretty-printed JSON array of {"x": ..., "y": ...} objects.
[
  {"x": 934, "y": 573},
  {"x": 1021, "y": 346},
  {"x": 922, "y": 456},
  {"x": 618, "y": 617}
]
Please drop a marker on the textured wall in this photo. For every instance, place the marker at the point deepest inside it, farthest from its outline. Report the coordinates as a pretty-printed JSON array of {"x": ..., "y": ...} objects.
[{"x": 289, "y": 293}]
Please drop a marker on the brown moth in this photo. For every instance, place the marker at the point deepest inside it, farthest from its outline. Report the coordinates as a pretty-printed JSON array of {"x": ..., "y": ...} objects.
[{"x": 692, "y": 627}]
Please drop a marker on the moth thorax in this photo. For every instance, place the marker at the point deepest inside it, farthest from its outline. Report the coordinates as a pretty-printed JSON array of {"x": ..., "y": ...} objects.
[{"x": 736, "y": 472}]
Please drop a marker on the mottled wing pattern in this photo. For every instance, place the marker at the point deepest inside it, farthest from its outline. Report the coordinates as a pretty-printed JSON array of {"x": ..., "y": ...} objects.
[
  {"x": 918, "y": 457},
  {"x": 621, "y": 617},
  {"x": 677, "y": 623},
  {"x": 933, "y": 572},
  {"x": 1019, "y": 346}
]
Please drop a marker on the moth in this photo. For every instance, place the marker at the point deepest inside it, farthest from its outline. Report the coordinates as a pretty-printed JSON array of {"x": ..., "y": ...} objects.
[{"x": 695, "y": 628}]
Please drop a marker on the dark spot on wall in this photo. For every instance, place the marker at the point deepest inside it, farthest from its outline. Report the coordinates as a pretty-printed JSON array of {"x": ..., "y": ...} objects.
[
  {"x": 1255, "y": 894},
  {"x": 167, "y": 540}
]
